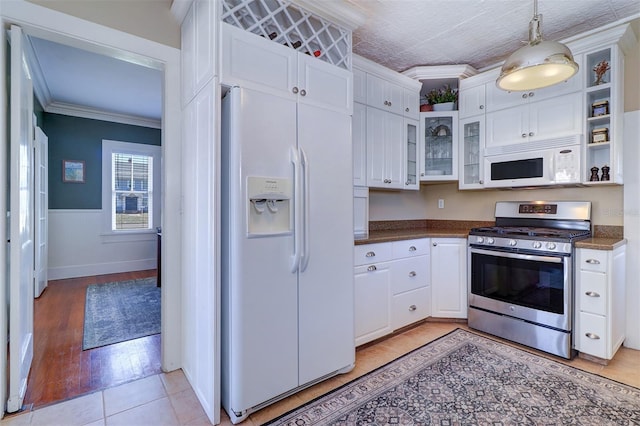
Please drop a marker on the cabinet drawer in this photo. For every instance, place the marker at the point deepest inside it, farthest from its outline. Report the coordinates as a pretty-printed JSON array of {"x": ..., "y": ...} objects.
[
  {"x": 592, "y": 294},
  {"x": 409, "y": 274},
  {"x": 592, "y": 260},
  {"x": 371, "y": 253},
  {"x": 410, "y": 307},
  {"x": 409, "y": 248},
  {"x": 592, "y": 338}
]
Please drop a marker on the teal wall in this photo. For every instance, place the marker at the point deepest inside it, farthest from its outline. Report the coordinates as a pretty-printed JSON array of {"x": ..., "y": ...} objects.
[
  {"x": 73, "y": 138},
  {"x": 38, "y": 111}
]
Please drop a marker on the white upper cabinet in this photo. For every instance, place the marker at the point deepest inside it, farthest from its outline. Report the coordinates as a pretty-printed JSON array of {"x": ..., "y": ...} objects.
[
  {"x": 384, "y": 94},
  {"x": 385, "y": 149},
  {"x": 411, "y": 104},
  {"x": 471, "y": 100},
  {"x": 256, "y": 62},
  {"x": 497, "y": 99},
  {"x": 359, "y": 136},
  {"x": 359, "y": 86},
  {"x": 552, "y": 118}
]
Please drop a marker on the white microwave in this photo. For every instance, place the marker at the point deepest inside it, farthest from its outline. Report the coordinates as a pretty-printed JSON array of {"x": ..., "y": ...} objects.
[{"x": 550, "y": 166}]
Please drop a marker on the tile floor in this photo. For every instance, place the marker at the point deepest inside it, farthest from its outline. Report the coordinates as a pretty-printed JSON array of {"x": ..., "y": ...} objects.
[{"x": 167, "y": 399}]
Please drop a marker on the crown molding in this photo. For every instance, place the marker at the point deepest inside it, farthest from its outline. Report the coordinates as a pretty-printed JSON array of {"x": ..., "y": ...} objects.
[
  {"x": 340, "y": 12},
  {"x": 40, "y": 88},
  {"x": 427, "y": 72},
  {"x": 371, "y": 67},
  {"x": 96, "y": 114},
  {"x": 179, "y": 9}
]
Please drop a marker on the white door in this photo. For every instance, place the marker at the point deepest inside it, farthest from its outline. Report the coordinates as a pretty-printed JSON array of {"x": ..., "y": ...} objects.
[
  {"x": 21, "y": 224},
  {"x": 41, "y": 192}
]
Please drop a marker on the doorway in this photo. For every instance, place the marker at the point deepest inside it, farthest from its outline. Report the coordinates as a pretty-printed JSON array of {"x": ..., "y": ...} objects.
[{"x": 42, "y": 23}]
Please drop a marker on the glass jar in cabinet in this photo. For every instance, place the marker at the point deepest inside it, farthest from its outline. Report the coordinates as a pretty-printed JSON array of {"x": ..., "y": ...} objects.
[
  {"x": 471, "y": 153},
  {"x": 439, "y": 146}
]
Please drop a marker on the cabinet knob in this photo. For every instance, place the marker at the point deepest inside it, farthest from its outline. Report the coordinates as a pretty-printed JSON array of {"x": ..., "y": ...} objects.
[
  {"x": 481, "y": 182},
  {"x": 593, "y": 261},
  {"x": 407, "y": 183},
  {"x": 370, "y": 254},
  {"x": 592, "y": 294},
  {"x": 531, "y": 94},
  {"x": 303, "y": 92},
  {"x": 406, "y": 110},
  {"x": 412, "y": 248},
  {"x": 386, "y": 102},
  {"x": 435, "y": 244},
  {"x": 389, "y": 103},
  {"x": 524, "y": 96},
  {"x": 372, "y": 268},
  {"x": 421, "y": 174},
  {"x": 481, "y": 106},
  {"x": 412, "y": 274},
  {"x": 294, "y": 90},
  {"x": 530, "y": 133},
  {"x": 592, "y": 336},
  {"x": 524, "y": 135},
  {"x": 412, "y": 308}
]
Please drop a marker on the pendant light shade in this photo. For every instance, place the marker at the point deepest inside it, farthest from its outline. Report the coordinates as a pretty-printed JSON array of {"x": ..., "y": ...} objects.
[{"x": 538, "y": 64}]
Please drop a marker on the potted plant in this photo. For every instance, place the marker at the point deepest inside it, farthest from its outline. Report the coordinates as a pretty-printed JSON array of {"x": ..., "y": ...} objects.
[{"x": 443, "y": 99}]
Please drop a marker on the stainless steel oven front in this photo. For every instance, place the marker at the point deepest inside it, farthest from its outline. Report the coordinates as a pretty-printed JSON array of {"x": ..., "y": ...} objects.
[{"x": 523, "y": 296}]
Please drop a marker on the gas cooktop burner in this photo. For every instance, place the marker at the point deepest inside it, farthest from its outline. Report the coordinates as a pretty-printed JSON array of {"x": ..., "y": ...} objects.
[{"x": 518, "y": 231}]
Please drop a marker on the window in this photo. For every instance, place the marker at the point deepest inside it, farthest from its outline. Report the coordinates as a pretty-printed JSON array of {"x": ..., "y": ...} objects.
[{"x": 130, "y": 182}]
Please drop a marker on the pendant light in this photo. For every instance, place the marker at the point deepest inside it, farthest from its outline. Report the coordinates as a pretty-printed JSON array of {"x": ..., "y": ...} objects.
[{"x": 538, "y": 64}]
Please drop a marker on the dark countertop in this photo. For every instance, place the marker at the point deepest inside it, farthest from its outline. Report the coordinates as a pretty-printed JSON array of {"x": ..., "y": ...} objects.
[
  {"x": 386, "y": 231},
  {"x": 605, "y": 237},
  {"x": 601, "y": 243}
]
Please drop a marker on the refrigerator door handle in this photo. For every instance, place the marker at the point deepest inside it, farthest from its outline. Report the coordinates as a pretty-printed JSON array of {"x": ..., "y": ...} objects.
[
  {"x": 297, "y": 210},
  {"x": 306, "y": 249}
]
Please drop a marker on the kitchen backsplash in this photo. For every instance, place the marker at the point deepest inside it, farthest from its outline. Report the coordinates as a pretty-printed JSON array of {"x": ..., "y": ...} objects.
[{"x": 607, "y": 202}]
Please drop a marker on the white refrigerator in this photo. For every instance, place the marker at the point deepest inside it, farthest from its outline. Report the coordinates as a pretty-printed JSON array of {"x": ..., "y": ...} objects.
[{"x": 287, "y": 248}]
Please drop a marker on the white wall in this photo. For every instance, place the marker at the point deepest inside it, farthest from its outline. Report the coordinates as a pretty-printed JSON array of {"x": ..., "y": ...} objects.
[
  {"x": 77, "y": 248},
  {"x": 150, "y": 19}
]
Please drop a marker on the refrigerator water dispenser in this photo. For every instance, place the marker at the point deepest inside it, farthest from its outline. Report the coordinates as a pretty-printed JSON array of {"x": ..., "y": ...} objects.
[{"x": 269, "y": 206}]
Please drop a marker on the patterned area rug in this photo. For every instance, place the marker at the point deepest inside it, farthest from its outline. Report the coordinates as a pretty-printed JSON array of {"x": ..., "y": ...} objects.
[
  {"x": 466, "y": 379},
  {"x": 120, "y": 311}
]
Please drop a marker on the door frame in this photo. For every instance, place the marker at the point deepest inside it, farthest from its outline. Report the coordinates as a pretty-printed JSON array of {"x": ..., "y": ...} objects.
[{"x": 55, "y": 26}]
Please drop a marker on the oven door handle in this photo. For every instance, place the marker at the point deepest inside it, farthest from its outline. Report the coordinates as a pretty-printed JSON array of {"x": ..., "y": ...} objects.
[{"x": 496, "y": 253}]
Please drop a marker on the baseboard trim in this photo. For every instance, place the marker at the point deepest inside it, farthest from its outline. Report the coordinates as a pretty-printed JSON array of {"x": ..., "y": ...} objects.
[{"x": 76, "y": 271}]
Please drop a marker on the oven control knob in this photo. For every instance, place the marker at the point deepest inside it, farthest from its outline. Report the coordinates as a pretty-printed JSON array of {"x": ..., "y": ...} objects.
[
  {"x": 512, "y": 243},
  {"x": 490, "y": 240},
  {"x": 551, "y": 246},
  {"x": 480, "y": 239},
  {"x": 537, "y": 244}
]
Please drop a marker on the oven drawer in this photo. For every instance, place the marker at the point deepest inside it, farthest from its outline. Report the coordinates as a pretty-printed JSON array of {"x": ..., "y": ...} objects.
[
  {"x": 592, "y": 296},
  {"x": 409, "y": 274},
  {"x": 592, "y": 338},
  {"x": 367, "y": 254},
  {"x": 592, "y": 260},
  {"x": 410, "y": 248},
  {"x": 410, "y": 307}
]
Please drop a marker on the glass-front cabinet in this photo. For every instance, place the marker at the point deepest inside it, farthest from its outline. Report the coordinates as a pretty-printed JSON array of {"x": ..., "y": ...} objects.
[
  {"x": 471, "y": 153},
  {"x": 439, "y": 146},
  {"x": 411, "y": 154}
]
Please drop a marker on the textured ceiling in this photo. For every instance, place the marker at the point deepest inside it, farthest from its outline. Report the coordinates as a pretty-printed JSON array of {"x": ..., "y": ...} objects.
[{"x": 401, "y": 34}]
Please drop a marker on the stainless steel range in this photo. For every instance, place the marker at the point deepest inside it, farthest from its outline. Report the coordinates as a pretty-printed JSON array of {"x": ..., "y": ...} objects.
[{"x": 521, "y": 278}]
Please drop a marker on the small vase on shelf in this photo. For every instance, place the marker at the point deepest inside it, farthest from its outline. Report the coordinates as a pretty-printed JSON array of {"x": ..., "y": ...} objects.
[
  {"x": 605, "y": 173},
  {"x": 594, "y": 175}
]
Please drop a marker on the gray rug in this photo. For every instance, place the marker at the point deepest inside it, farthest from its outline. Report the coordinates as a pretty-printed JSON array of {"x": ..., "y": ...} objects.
[
  {"x": 466, "y": 379},
  {"x": 120, "y": 311}
]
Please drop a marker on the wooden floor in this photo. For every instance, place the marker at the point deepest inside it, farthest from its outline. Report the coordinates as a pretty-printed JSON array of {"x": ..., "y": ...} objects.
[{"x": 60, "y": 368}]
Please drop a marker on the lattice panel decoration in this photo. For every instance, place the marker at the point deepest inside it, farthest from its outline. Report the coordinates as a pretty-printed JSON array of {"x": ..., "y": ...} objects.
[{"x": 288, "y": 24}]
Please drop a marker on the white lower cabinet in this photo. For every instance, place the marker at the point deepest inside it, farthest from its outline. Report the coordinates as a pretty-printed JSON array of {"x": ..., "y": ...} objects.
[
  {"x": 449, "y": 277},
  {"x": 391, "y": 287},
  {"x": 600, "y": 302}
]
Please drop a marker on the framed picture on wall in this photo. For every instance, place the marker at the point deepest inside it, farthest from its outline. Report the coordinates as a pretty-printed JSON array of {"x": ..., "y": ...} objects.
[{"x": 72, "y": 171}]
